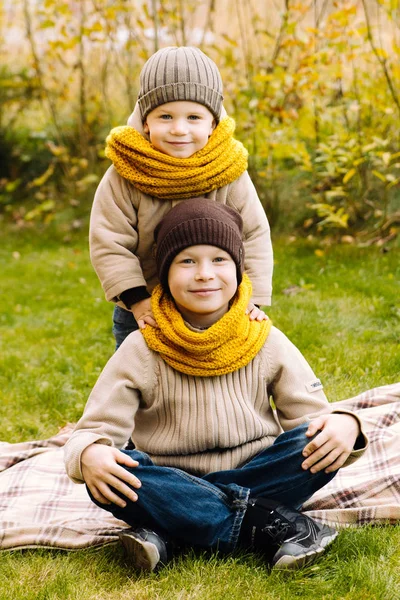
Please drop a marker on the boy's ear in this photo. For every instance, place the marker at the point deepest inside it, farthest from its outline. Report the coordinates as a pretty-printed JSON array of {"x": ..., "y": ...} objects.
[
  {"x": 213, "y": 126},
  {"x": 146, "y": 127}
]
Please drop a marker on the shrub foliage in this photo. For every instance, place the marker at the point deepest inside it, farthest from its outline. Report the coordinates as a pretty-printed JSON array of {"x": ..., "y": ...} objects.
[{"x": 314, "y": 87}]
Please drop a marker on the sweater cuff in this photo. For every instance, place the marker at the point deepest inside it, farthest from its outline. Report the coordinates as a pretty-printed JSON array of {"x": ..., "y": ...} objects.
[
  {"x": 73, "y": 451},
  {"x": 362, "y": 441},
  {"x": 261, "y": 300},
  {"x": 134, "y": 295}
]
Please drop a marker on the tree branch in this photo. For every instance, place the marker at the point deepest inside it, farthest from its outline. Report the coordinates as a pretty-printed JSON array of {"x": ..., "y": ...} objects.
[{"x": 381, "y": 59}]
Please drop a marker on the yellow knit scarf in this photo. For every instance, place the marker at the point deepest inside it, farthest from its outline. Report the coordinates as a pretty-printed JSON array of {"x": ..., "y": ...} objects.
[
  {"x": 222, "y": 160},
  {"x": 229, "y": 344}
]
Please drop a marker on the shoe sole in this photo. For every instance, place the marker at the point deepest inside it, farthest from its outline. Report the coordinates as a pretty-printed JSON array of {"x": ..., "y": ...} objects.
[
  {"x": 288, "y": 561},
  {"x": 144, "y": 555}
]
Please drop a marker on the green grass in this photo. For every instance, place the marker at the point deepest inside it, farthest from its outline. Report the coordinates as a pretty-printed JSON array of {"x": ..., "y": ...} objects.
[{"x": 55, "y": 337}]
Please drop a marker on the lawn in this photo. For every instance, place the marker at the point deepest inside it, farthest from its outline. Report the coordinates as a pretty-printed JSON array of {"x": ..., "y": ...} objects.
[{"x": 339, "y": 304}]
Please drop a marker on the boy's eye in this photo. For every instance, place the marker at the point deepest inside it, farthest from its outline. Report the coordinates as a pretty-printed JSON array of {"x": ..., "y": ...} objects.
[
  {"x": 187, "y": 261},
  {"x": 165, "y": 117},
  {"x": 193, "y": 117},
  {"x": 219, "y": 259}
]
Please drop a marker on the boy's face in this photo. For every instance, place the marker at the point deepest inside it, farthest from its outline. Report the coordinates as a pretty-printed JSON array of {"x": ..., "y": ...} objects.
[
  {"x": 179, "y": 128},
  {"x": 202, "y": 280}
]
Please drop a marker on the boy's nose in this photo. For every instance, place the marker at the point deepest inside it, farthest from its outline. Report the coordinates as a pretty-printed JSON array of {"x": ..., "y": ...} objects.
[
  {"x": 179, "y": 127},
  {"x": 204, "y": 272}
]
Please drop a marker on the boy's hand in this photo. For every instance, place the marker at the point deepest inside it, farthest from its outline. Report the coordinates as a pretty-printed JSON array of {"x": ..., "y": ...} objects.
[
  {"x": 333, "y": 444},
  {"x": 101, "y": 469},
  {"x": 255, "y": 313},
  {"x": 143, "y": 313}
]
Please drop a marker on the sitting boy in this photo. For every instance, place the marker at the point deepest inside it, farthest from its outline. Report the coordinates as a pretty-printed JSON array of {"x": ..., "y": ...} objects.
[{"x": 213, "y": 465}]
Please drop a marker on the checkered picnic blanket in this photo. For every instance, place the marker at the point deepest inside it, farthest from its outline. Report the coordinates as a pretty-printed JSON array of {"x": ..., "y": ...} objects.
[
  {"x": 368, "y": 491},
  {"x": 40, "y": 506}
]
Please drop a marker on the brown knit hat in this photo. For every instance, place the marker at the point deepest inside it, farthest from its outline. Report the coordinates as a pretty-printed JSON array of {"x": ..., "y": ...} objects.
[
  {"x": 198, "y": 221},
  {"x": 180, "y": 73}
]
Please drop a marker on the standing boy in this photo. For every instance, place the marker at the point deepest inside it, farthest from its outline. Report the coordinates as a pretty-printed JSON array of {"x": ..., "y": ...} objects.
[
  {"x": 178, "y": 144},
  {"x": 213, "y": 466}
]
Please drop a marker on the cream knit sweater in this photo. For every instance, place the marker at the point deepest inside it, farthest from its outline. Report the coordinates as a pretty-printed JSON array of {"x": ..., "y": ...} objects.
[{"x": 199, "y": 424}]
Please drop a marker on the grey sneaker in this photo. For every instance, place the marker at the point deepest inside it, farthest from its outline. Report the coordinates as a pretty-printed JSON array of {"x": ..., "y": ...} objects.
[
  {"x": 289, "y": 538},
  {"x": 306, "y": 541},
  {"x": 145, "y": 548}
]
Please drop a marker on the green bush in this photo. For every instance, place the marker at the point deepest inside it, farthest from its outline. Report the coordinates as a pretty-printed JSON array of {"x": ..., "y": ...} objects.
[{"x": 314, "y": 91}]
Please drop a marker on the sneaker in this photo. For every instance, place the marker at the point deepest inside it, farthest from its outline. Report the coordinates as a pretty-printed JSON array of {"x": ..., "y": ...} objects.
[
  {"x": 289, "y": 538},
  {"x": 145, "y": 548}
]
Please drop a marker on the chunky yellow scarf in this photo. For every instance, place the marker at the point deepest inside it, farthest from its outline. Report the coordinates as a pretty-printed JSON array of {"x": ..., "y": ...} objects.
[
  {"x": 220, "y": 162},
  {"x": 229, "y": 344}
]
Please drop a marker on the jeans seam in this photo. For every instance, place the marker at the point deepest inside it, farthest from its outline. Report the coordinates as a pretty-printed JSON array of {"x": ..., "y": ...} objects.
[
  {"x": 201, "y": 483},
  {"x": 242, "y": 502}
]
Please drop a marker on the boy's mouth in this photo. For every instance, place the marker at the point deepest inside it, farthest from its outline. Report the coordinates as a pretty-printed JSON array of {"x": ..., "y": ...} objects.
[
  {"x": 178, "y": 143},
  {"x": 204, "y": 291}
]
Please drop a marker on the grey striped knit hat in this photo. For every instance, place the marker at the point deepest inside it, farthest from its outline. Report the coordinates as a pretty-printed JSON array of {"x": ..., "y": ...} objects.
[{"x": 180, "y": 73}]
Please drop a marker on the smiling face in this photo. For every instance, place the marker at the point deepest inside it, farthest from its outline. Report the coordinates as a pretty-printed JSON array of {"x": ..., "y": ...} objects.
[
  {"x": 202, "y": 280},
  {"x": 179, "y": 128}
]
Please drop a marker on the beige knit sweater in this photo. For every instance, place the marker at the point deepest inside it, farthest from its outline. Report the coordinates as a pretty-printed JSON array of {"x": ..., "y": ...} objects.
[
  {"x": 122, "y": 225},
  {"x": 199, "y": 424}
]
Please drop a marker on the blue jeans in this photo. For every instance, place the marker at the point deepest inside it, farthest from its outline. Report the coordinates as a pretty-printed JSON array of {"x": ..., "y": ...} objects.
[
  {"x": 208, "y": 511},
  {"x": 123, "y": 324}
]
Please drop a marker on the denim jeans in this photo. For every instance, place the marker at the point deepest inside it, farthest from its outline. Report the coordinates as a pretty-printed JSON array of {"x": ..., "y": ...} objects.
[
  {"x": 208, "y": 511},
  {"x": 123, "y": 324}
]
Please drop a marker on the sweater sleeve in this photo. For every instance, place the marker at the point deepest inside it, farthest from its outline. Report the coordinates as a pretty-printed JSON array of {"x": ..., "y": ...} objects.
[
  {"x": 297, "y": 392},
  {"x": 259, "y": 262},
  {"x": 110, "y": 411},
  {"x": 113, "y": 236}
]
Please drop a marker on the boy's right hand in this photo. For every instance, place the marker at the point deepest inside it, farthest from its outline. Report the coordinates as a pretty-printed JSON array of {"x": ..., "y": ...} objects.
[
  {"x": 143, "y": 313},
  {"x": 101, "y": 469}
]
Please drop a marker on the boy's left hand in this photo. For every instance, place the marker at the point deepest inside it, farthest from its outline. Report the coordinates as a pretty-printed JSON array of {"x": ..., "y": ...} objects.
[
  {"x": 255, "y": 313},
  {"x": 330, "y": 449}
]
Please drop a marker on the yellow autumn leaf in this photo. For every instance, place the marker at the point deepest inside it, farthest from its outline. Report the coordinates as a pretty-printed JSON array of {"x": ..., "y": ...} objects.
[
  {"x": 381, "y": 53},
  {"x": 54, "y": 149},
  {"x": 349, "y": 175},
  {"x": 39, "y": 181},
  {"x": 379, "y": 175}
]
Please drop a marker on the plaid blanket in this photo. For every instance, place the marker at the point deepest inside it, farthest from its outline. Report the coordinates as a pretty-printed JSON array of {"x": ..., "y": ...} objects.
[
  {"x": 40, "y": 506},
  {"x": 369, "y": 490}
]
